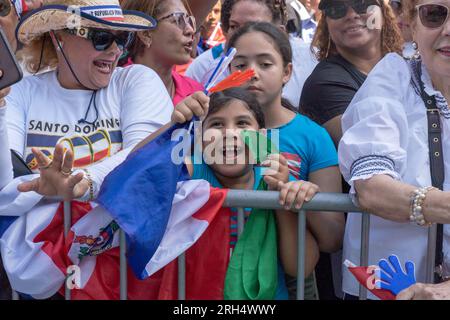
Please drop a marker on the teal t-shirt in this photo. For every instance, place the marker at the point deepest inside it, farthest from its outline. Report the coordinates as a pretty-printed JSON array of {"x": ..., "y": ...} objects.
[
  {"x": 306, "y": 146},
  {"x": 203, "y": 171}
]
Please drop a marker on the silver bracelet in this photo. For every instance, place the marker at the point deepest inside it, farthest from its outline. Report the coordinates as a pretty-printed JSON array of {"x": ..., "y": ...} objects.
[{"x": 417, "y": 199}]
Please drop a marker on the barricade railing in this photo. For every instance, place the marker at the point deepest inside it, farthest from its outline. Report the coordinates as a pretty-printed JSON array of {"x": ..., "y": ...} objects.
[{"x": 241, "y": 199}]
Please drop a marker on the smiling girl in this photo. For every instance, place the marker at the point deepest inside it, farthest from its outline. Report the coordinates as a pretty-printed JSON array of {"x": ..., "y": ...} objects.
[{"x": 225, "y": 118}]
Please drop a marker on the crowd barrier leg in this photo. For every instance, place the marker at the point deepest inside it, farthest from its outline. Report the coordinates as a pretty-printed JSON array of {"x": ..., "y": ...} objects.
[
  {"x": 431, "y": 253},
  {"x": 240, "y": 221},
  {"x": 67, "y": 225},
  {"x": 123, "y": 266},
  {"x": 182, "y": 277},
  {"x": 301, "y": 255},
  {"x": 364, "y": 258}
]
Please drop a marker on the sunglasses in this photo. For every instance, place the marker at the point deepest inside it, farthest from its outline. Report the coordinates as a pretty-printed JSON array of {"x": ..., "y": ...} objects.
[
  {"x": 338, "y": 9},
  {"x": 102, "y": 40},
  {"x": 182, "y": 20},
  {"x": 432, "y": 16}
]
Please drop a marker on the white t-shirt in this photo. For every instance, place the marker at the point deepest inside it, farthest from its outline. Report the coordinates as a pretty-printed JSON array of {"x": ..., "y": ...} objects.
[
  {"x": 303, "y": 61},
  {"x": 40, "y": 113},
  {"x": 385, "y": 132}
]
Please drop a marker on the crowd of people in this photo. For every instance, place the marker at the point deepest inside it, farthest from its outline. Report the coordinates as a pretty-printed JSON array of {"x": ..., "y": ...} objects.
[{"x": 356, "y": 92}]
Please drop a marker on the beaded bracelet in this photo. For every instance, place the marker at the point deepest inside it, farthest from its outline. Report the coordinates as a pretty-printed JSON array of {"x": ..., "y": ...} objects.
[
  {"x": 417, "y": 199},
  {"x": 91, "y": 185}
]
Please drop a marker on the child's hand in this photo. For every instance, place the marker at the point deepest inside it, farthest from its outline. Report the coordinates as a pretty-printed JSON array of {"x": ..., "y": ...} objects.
[
  {"x": 296, "y": 192},
  {"x": 196, "y": 104},
  {"x": 277, "y": 170}
]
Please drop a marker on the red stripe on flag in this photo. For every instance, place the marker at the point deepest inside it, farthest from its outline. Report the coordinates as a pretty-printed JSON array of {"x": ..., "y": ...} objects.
[
  {"x": 206, "y": 265},
  {"x": 206, "y": 261},
  {"x": 367, "y": 279},
  {"x": 53, "y": 235},
  {"x": 114, "y": 19},
  {"x": 212, "y": 206}
]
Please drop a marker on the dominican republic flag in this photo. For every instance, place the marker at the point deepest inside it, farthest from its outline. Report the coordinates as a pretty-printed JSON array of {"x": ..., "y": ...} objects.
[
  {"x": 149, "y": 197},
  {"x": 368, "y": 277},
  {"x": 142, "y": 196}
]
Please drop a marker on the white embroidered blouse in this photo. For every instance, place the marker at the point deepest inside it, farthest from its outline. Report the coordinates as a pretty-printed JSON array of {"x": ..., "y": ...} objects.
[{"x": 385, "y": 132}]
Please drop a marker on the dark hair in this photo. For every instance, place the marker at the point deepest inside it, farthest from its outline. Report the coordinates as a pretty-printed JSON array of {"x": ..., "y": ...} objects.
[
  {"x": 279, "y": 39},
  {"x": 222, "y": 99},
  {"x": 277, "y": 8}
]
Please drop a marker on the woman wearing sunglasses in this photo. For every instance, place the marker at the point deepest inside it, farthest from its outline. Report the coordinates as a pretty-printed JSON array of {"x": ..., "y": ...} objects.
[
  {"x": 351, "y": 38},
  {"x": 394, "y": 151},
  {"x": 168, "y": 45},
  {"x": 85, "y": 115}
]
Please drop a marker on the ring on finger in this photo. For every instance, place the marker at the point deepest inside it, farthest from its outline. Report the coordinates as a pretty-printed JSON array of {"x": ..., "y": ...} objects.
[
  {"x": 47, "y": 166},
  {"x": 66, "y": 173}
]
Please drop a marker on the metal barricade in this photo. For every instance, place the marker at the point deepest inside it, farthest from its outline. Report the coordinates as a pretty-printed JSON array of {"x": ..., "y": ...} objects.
[
  {"x": 241, "y": 199},
  {"x": 321, "y": 202}
]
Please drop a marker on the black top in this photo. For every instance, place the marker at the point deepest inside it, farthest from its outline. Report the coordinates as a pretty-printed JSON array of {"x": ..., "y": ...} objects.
[{"x": 330, "y": 88}]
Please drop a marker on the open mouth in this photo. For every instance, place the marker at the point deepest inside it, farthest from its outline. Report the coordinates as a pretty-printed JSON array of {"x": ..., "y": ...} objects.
[
  {"x": 231, "y": 152},
  {"x": 103, "y": 66}
]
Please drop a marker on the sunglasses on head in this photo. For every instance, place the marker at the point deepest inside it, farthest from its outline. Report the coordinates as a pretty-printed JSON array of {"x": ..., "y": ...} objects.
[
  {"x": 432, "y": 15},
  {"x": 338, "y": 9},
  {"x": 181, "y": 19},
  {"x": 102, "y": 39}
]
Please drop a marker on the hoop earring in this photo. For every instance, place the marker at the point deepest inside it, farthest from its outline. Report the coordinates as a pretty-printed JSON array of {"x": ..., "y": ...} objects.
[{"x": 416, "y": 54}]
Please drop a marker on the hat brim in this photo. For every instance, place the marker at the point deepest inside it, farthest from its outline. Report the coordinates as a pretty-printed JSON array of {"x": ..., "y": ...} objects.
[{"x": 58, "y": 17}]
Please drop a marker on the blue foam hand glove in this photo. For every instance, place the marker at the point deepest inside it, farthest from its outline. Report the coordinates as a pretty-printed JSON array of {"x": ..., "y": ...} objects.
[{"x": 394, "y": 279}]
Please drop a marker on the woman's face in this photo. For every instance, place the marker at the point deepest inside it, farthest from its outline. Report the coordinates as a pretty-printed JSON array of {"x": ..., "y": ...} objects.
[
  {"x": 434, "y": 44},
  {"x": 245, "y": 11},
  {"x": 257, "y": 51},
  {"x": 355, "y": 31},
  {"x": 93, "y": 68},
  {"x": 171, "y": 41},
  {"x": 223, "y": 147}
]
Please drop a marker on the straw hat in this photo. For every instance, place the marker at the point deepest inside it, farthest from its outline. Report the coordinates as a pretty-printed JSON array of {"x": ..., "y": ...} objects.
[{"x": 68, "y": 14}]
